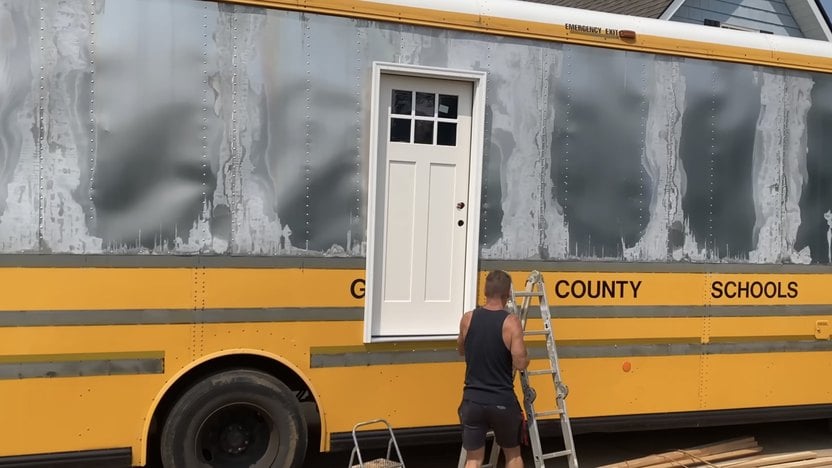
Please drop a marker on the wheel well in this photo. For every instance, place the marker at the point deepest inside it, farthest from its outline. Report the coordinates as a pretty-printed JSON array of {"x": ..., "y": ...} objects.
[{"x": 224, "y": 363}]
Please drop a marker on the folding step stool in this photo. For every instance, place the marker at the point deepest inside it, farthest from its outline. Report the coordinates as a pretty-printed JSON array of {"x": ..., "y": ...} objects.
[{"x": 385, "y": 462}]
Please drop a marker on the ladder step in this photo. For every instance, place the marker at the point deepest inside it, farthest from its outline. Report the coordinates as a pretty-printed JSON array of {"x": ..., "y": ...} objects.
[
  {"x": 537, "y": 333},
  {"x": 541, "y": 372},
  {"x": 562, "y": 453},
  {"x": 543, "y": 414},
  {"x": 528, "y": 294}
]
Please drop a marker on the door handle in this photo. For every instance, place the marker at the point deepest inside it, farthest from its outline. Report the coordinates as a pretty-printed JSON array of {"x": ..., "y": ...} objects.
[{"x": 460, "y": 205}]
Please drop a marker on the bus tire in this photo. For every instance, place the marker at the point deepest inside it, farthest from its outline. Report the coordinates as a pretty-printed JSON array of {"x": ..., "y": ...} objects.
[{"x": 235, "y": 418}]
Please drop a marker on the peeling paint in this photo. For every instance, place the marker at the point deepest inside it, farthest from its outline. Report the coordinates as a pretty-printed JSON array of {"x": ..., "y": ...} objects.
[
  {"x": 780, "y": 167},
  {"x": 795, "y": 173},
  {"x": 19, "y": 133},
  {"x": 252, "y": 138},
  {"x": 516, "y": 133},
  {"x": 666, "y": 95},
  {"x": 70, "y": 136}
]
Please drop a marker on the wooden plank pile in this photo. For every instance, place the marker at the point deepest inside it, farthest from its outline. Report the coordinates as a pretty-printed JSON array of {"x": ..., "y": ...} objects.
[{"x": 735, "y": 453}]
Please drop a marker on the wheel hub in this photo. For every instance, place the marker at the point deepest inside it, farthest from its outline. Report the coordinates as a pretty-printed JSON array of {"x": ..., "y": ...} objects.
[
  {"x": 234, "y": 439},
  {"x": 237, "y": 434}
]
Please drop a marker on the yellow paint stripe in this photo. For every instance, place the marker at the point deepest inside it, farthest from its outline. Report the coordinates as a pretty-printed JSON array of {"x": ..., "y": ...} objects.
[
  {"x": 761, "y": 339},
  {"x": 289, "y": 287},
  {"x": 96, "y": 288},
  {"x": 545, "y": 31},
  {"x": 681, "y": 289},
  {"x": 87, "y": 289}
]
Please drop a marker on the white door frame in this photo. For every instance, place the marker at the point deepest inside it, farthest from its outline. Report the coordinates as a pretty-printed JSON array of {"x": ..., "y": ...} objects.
[{"x": 477, "y": 78}]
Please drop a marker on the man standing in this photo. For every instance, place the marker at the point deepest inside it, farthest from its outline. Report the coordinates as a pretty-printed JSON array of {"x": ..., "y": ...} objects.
[{"x": 491, "y": 339}]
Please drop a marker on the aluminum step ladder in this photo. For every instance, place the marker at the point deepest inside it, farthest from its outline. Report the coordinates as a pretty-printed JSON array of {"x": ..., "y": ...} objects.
[
  {"x": 535, "y": 289},
  {"x": 385, "y": 462}
]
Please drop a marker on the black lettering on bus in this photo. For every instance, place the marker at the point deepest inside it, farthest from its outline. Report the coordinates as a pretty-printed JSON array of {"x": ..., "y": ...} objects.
[
  {"x": 742, "y": 288},
  {"x": 792, "y": 289},
  {"x": 583, "y": 289},
  {"x": 557, "y": 289},
  {"x": 597, "y": 289},
  {"x": 635, "y": 285},
  {"x": 770, "y": 289},
  {"x": 620, "y": 287},
  {"x": 716, "y": 289},
  {"x": 609, "y": 289},
  {"x": 736, "y": 290},
  {"x": 593, "y": 295},
  {"x": 780, "y": 293},
  {"x": 756, "y": 289},
  {"x": 357, "y": 288}
]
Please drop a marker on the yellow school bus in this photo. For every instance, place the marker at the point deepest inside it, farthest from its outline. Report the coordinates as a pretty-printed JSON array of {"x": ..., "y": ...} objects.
[{"x": 212, "y": 216}]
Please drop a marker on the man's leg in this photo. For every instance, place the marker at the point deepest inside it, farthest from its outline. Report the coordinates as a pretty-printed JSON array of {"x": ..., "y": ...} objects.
[
  {"x": 507, "y": 423},
  {"x": 474, "y": 428},
  {"x": 474, "y": 458},
  {"x": 514, "y": 457}
]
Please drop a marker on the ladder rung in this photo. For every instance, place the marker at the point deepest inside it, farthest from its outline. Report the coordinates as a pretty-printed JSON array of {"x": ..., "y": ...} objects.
[
  {"x": 562, "y": 453},
  {"x": 543, "y": 414},
  {"x": 538, "y": 333},
  {"x": 528, "y": 294},
  {"x": 541, "y": 372}
]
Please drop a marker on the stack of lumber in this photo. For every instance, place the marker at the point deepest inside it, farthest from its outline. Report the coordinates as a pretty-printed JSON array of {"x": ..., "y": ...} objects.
[{"x": 735, "y": 453}]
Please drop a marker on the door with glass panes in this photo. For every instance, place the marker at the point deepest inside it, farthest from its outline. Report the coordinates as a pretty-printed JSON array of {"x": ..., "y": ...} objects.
[{"x": 421, "y": 210}]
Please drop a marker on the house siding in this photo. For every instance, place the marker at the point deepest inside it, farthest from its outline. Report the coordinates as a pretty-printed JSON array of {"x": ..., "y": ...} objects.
[{"x": 767, "y": 15}]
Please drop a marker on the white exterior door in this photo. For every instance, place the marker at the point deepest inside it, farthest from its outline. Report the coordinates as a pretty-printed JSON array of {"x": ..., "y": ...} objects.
[{"x": 421, "y": 222}]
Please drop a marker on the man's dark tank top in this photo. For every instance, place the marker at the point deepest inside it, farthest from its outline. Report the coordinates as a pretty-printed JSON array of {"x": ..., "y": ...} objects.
[{"x": 489, "y": 372}]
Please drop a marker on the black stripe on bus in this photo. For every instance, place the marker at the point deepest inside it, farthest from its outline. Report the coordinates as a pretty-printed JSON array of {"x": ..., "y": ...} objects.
[
  {"x": 572, "y": 312},
  {"x": 105, "y": 458},
  {"x": 55, "y": 318},
  {"x": 80, "y": 365},
  {"x": 360, "y": 356},
  {"x": 359, "y": 263},
  {"x": 58, "y": 318}
]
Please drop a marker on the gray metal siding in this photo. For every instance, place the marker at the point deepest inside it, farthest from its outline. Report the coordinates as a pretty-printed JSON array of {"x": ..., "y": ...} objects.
[
  {"x": 233, "y": 131},
  {"x": 767, "y": 15}
]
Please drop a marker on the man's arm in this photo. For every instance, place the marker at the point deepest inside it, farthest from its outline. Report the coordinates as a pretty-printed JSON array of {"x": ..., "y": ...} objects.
[
  {"x": 513, "y": 330},
  {"x": 463, "y": 332}
]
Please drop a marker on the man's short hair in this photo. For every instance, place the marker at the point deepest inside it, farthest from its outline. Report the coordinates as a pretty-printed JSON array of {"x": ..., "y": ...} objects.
[{"x": 498, "y": 285}]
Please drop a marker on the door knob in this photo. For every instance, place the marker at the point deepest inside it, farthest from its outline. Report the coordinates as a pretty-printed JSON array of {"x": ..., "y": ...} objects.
[{"x": 460, "y": 205}]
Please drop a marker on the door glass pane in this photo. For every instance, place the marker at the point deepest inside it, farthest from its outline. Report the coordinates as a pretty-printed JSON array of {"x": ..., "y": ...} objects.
[
  {"x": 402, "y": 102},
  {"x": 446, "y": 134},
  {"x": 400, "y": 130},
  {"x": 424, "y": 132},
  {"x": 447, "y": 106},
  {"x": 425, "y": 104}
]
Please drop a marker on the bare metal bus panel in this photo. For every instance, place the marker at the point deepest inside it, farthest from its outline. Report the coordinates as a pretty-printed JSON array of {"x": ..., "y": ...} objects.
[{"x": 182, "y": 127}]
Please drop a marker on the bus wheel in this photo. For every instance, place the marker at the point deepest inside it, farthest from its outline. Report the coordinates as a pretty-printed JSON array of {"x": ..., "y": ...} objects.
[{"x": 235, "y": 418}]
